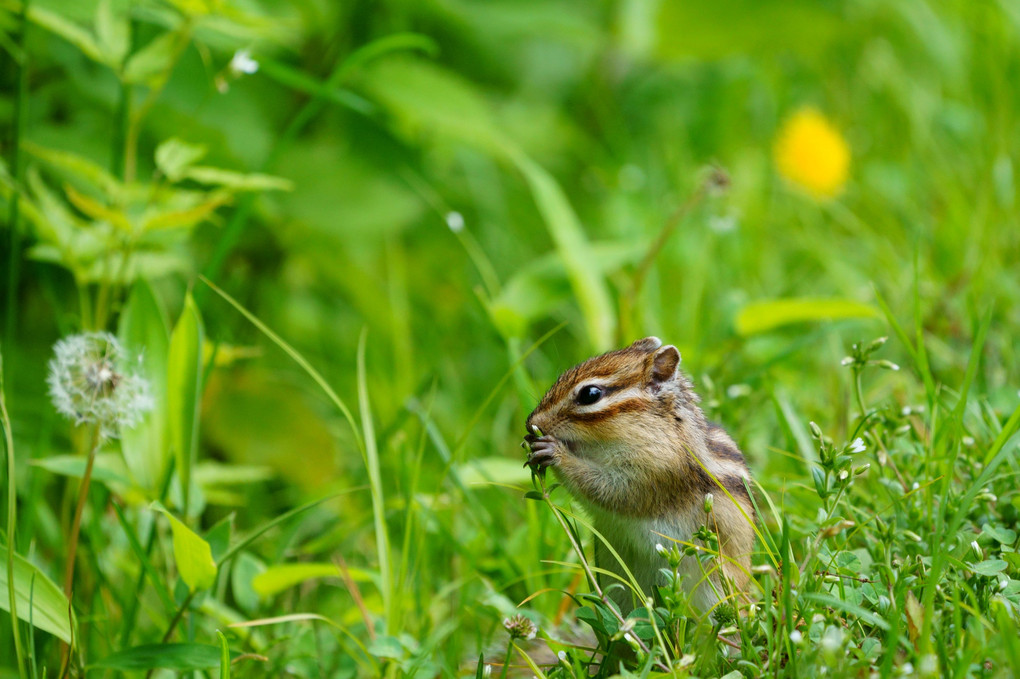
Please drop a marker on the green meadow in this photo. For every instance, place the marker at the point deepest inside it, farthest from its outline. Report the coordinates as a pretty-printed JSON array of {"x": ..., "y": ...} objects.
[{"x": 281, "y": 281}]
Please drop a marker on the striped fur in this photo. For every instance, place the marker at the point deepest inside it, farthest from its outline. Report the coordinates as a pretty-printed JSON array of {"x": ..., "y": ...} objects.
[{"x": 642, "y": 458}]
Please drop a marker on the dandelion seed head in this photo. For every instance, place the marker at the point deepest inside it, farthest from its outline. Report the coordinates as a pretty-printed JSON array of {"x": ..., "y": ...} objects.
[{"x": 89, "y": 383}]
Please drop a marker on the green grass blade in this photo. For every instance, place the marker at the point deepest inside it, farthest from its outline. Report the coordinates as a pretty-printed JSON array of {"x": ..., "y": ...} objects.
[
  {"x": 382, "y": 538},
  {"x": 184, "y": 393},
  {"x": 296, "y": 356}
]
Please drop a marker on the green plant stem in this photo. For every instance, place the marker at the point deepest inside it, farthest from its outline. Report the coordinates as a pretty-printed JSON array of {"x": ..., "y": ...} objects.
[
  {"x": 132, "y": 611},
  {"x": 587, "y": 569},
  {"x": 12, "y": 518},
  {"x": 506, "y": 658},
  {"x": 14, "y": 208},
  {"x": 83, "y": 492},
  {"x": 629, "y": 299},
  {"x": 118, "y": 150},
  {"x": 235, "y": 227},
  {"x": 135, "y": 118}
]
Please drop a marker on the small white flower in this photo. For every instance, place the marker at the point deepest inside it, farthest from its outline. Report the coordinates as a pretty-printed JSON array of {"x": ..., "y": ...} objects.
[
  {"x": 843, "y": 475},
  {"x": 660, "y": 549},
  {"x": 967, "y": 441},
  {"x": 562, "y": 655},
  {"x": 796, "y": 637},
  {"x": 89, "y": 383},
  {"x": 847, "y": 360},
  {"x": 520, "y": 627},
  {"x": 243, "y": 64},
  {"x": 977, "y": 548},
  {"x": 858, "y": 445},
  {"x": 455, "y": 221}
]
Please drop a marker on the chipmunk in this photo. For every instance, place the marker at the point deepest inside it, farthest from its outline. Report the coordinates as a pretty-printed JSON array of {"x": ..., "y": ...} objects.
[{"x": 623, "y": 432}]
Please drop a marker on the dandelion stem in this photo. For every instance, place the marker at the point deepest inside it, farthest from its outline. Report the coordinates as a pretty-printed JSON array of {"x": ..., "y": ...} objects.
[{"x": 83, "y": 491}]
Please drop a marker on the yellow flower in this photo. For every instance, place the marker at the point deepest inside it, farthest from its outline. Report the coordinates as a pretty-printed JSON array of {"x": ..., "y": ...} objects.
[{"x": 812, "y": 154}]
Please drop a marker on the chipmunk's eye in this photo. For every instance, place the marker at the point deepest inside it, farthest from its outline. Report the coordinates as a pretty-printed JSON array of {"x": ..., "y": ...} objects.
[{"x": 589, "y": 394}]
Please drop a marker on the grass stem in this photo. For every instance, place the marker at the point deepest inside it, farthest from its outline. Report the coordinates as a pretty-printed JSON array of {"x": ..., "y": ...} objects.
[{"x": 12, "y": 522}]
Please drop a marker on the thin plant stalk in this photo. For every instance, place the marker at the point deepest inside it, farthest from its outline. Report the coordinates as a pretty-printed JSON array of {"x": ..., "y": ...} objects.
[
  {"x": 628, "y": 299},
  {"x": 12, "y": 517},
  {"x": 587, "y": 569},
  {"x": 14, "y": 208},
  {"x": 506, "y": 658},
  {"x": 83, "y": 492},
  {"x": 136, "y": 117}
]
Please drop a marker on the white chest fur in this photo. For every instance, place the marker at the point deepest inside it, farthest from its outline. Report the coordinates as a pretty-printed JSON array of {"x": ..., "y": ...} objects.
[{"x": 635, "y": 541}]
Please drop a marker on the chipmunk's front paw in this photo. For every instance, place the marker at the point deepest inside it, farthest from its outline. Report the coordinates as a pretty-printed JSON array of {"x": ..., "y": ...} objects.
[{"x": 545, "y": 451}]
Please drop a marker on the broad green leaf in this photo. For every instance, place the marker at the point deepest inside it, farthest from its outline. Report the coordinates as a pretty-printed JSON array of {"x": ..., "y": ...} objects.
[
  {"x": 989, "y": 567},
  {"x": 501, "y": 470},
  {"x": 108, "y": 266},
  {"x": 78, "y": 167},
  {"x": 151, "y": 61},
  {"x": 175, "y": 155},
  {"x": 107, "y": 467},
  {"x": 68, "y": 30},
  {"x": 276, "y": 579},
  {"x": 425, "y": 96},
  {"x": 54, "y": 222},
  {"x": 1006, "y": 536},
  {"x": 143, "y": 330},
  {"x": 49, "y": 608},
  {"x": 759, "y": 317},
  {"x": 179, "y": 657},
  {"x": 96, "y": 210},
  {"x": 112, "y": 32},
  {"x": 211, "y": 473},
  {"x": 186, "y": 218},
  {"x": 237, "y": 180},
  {"x": 184, "y": 390},
  {"x": 246, "y": 569},
  {"x": 192, "y": 554}
]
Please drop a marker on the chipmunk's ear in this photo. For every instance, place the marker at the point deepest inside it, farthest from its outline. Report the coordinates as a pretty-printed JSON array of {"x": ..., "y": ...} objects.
[
  {"x": 664, "y": 363},
  {"x": 647, "y": 344}
]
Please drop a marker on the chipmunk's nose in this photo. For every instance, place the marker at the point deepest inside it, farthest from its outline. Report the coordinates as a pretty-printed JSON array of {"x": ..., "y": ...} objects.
[{"x": 536, "y": 419}]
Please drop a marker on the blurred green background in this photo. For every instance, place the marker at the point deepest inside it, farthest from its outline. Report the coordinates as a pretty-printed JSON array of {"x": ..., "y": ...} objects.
[{"x": 457, "y": 179}]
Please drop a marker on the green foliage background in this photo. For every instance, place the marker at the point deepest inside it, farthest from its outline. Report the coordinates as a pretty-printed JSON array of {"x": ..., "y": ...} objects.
[{"x": 413, "y": 195}]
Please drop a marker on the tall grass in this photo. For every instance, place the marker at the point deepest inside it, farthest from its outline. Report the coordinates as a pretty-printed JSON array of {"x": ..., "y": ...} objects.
[{"x": 465, "y": 200}]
